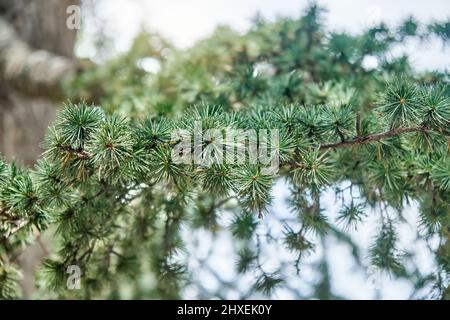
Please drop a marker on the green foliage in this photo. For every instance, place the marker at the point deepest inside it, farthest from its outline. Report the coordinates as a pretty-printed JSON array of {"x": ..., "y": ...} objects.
[
  {"x": 217, "y": 179},
  {"x": 296, "y": 242},
  {"x": 246, "y": 260},
  {"x": 77, "y": 124},
  {"x": 253, "y": 189},
  {"x": 9, "y": 283},
  {"x": 243, "y": 226},
  {"x": 441, "y": 174},
  {"x": 313, "y": 169},
  {"x": 435, "y": 107}
]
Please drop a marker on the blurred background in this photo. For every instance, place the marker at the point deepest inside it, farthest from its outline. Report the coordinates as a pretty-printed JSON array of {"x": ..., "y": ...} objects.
[{"x": 39, "y": 54}]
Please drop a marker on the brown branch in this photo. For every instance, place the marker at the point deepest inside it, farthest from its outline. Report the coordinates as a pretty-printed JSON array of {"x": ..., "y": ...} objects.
[
  {"x": 35, "y": 71},
  {"x": 79, "y": 153},
  {"x": 372, "y": 137},
  {"x": 24, "y": 224}
]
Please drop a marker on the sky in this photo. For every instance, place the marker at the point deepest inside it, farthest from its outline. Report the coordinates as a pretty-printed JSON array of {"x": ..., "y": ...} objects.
[
  {"x": 347, "y": 278},
  {"x": 185, "y": 22}
]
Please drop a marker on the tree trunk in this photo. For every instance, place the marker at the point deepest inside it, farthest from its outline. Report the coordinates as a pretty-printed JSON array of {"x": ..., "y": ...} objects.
[{"x": 36, "y": 55}]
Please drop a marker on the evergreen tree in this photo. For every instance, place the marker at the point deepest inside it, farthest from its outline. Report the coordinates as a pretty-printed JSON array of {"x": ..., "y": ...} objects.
[{"x": 109, "y": 190}]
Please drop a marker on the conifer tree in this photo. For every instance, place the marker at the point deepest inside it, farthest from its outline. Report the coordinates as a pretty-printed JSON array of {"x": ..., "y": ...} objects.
[{"x": 115, "y": 202}]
